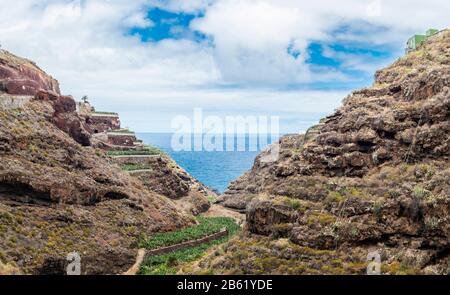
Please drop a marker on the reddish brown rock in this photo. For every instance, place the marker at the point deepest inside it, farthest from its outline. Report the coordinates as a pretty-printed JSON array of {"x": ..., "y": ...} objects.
[
  {"x": 58, "y": 194},
  {"x": 70, "y": 197},
  {"x": 98, "y": 123},
  {"x": 20, "y": 76},
  {"x": 65, "y": 116}
]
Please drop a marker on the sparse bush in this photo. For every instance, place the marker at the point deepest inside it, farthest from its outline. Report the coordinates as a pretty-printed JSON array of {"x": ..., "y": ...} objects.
[
  {"x": 394, "y": 194},
  {"x": 377, "y": 210},
  {"x": 420, "y": 193},
  {"x": 211, "y": 199},
  {"x": 334, "y": 198},
  {"x": 425, "y": 170},
  {"x": 295, "y": 204},
  {"x": 432, "y": 223},
  {"x": 321, "y": 218},
  {"x": 354, "y": 232}
]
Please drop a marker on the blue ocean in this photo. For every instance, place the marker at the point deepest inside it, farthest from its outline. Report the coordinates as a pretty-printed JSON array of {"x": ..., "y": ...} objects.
[{"x": 216, "y": 169}]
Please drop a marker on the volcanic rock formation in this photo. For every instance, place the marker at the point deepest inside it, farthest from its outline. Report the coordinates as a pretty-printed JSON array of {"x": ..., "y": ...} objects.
[
  {"x": 374, "y": 177},
  {"x": 60, "y": 195}
]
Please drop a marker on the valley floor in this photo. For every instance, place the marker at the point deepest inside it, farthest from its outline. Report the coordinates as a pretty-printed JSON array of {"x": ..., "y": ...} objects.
[{"x": 189, "y": 245}]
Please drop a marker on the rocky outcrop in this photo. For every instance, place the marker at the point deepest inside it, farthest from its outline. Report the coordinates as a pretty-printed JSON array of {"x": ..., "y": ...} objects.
[
  {"x": 59, "y": 195},
  {"x": 98, "y": 122},
  {"x": 164, "y": 176},
  {"x": 19, "y": 76},
  {"x": 372, "y": 177},
  {"x": 65, "y": 116}
]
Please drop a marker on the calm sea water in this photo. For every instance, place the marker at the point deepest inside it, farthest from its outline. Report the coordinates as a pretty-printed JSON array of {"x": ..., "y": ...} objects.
[{"x": 214, "y": 169}]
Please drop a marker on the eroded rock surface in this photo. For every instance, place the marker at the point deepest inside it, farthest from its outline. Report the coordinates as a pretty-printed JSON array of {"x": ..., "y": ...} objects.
[
  {"x": 59, "y": 195},
  {"x": 165, "y": 177},
  {"x": 19, "y": 76},
  {"x": 372, "y": 177}
]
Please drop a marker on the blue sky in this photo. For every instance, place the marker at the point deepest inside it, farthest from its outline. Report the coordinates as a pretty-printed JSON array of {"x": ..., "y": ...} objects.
[
  {"x": 153, "y": 60},
  {"x": 169, "y": 25}
]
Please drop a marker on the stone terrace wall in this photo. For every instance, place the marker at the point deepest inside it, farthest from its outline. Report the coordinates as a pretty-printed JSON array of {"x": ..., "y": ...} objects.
[
  {"x": 137, "y": 159},
  {"x": 102, "y": 123},
  {"x": 188, "y": 244},
  {"x": 122, "y": 139},
  {"x": 10, "y": 102}
]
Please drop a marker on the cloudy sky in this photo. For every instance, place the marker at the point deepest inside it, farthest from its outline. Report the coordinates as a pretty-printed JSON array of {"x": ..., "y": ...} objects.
[{"x": 152, "y": 60}]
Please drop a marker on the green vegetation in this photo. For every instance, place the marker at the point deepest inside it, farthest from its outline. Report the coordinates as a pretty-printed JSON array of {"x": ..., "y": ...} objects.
[
  {"x": 2, "y": 257},
  {"x": 147, "y": 151},
  {"x": 323, "y": 219},
  {"x": 212, "y": 199},
  {"x": 425, "y": 170},
  {"x": 377, "y": 211},
  {"x": 432, "y": 223},
  {"x": 420, "y": 193},
  {"x": 334, "y": 198},
  {"x": 167, "y": 263},
  {"x": 135, "y": 167},
  {"x": 106, "y": 113},
  {"x": 206, "y": 227},
  {"x": 295, "y": 204}
]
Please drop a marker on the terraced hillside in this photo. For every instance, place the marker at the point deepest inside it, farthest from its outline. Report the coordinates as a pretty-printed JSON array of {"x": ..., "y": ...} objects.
[{"x": 59, "y": 191}]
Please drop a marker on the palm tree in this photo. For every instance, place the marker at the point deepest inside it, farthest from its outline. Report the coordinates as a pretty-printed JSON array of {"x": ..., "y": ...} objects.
[{"x": 85, "y": 99}]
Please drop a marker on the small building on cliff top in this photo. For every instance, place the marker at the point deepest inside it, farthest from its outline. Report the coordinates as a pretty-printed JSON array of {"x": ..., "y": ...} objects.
[{"x": 415, "y": 41}]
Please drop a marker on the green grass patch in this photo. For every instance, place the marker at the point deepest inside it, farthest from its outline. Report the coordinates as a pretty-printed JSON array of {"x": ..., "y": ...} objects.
[
  {"x": 146, "y": 151},
  {"x": 166, "y": 264},
  {"x": 212, "y": 199},
  {"x": 106, "y": 113},
  {"x": 134, "y": 167},
  {"x": 206, "y": 227}
]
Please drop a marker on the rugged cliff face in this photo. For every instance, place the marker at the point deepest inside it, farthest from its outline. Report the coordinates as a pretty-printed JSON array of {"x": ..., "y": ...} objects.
[
  {"x": 374, "y": 177},
  {"x": 170, "y": 180},
  {"x": 19, "y": 76},
  {"x": 60, "y": 195}
]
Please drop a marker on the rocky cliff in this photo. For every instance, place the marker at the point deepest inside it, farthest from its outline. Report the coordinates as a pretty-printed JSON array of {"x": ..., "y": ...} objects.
[
  {"x": 170, "y": 180},
  {"x": 374, "y": 177},
  {"x": 58, "y": 194},
  {"x": 19, "y": 76},
  {"x": 154, "y": 168}
]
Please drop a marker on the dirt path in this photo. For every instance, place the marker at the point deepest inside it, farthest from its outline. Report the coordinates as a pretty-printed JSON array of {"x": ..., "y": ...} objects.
[{"x": 135, "y": 268}]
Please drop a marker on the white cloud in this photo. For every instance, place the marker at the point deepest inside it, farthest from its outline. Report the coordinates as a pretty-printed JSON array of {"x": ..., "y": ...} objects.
[
  {"x": 187, "y": 6},
  {"x": 251, "y": 37},
  {"x": 138, "y": 20},
  {"x": 85, "y": 45}
]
